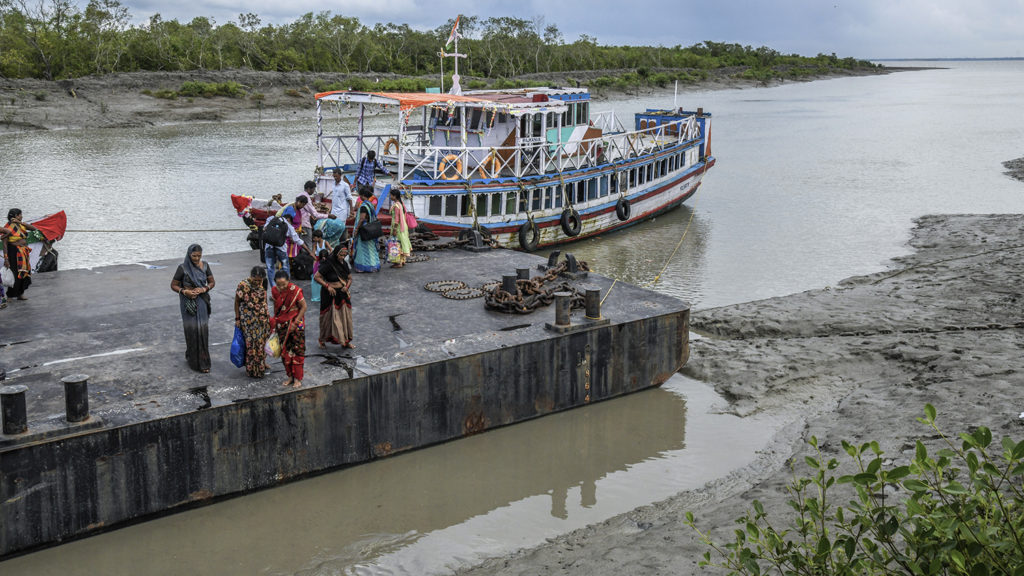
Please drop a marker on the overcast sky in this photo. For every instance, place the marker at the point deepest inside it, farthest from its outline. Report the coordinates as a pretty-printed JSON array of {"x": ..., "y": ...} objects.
[{"x": 862, "y": 28}]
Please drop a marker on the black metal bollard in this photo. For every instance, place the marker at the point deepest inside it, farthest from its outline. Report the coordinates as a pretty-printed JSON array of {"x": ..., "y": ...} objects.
[
  {"x": 76, "y": 397},
  {"x": 553, "y": 258},
  {"x": 508, "y": 284},
  {"x": 522, "y": 273},
  {"x": 12, "y": 405},
  {"x": 563, "y": 306},
  {"x": 593, "y": 302},
  {"x": 574, "y": 266}
]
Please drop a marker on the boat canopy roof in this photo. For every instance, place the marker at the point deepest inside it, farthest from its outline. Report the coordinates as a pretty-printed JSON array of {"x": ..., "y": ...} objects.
[{"x": 513, "y": 103}]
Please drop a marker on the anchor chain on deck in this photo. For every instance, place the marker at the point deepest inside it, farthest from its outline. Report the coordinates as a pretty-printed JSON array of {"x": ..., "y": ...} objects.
[{"x": 535, "y": 292}]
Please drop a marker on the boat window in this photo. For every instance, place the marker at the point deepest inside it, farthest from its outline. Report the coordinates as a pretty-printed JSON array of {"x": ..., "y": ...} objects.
[
  {"x": 537, "y": 192},
  {"x": 569, "y": 115},
  {"x": 537, "y": 118},
  {"x": 664, "y": 167},
  {"x": 604, "y": 186},
  {"x": 475, "y": 122},
  {"x": 557, "y": 190},
  {"x": 511, "y": 201},
  {"x": 548, "y": 193},
  {"x": 641, "y": 175},
  {"x": 502, "y": 117},
  {"x": 481, "y": 205},
  {"x": 656, "y": 169},
  {"x": 592, "y": 189},
  {"x": 451, "y": 205},
  {"x": 615, "y": 183},
  {"x": 632, "y": 177},
  {"x": 496, "y": 204},
  {"x": 650, "y": 171},
  {"x": 582, "y": 112},
  {"x": 464, "y": 205},
  {"x": 581, "y": 192},
  {"x": 435, "y": 206}
]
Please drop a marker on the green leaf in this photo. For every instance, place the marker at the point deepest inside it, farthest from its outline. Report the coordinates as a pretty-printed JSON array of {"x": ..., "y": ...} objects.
[
  {"x": 929, "y": 412},
  {"x": 1018, "y": 451},
  {"x": 915, "y": 485},
  {"x": 874, "y": 466},
  {"x": 689, "y": 517},
  {"x": 958, "y": 558},
  {"x": 954, "y": 487},
  {"x": 898, "y": 473},
  {"x": 752, "y": 530},
  {"x": 865, "y": 478},
  {"x": 847, "y": 479},
  {"x": 811, "y": 462},
  {"x": 758, "y": 507},
  {"x": 983, "y": 436},
  {"x": 824, "y": 546},
  {"x": 921, "y": 452},
  {"x": 849, "y": 448}
]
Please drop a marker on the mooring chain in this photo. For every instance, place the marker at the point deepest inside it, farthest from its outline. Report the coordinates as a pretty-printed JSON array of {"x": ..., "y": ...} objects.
[{"x": 534, "y": 293}]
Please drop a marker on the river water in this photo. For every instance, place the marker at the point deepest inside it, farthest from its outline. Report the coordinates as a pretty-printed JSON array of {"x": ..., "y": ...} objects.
[{"x": 815, "y": 182}]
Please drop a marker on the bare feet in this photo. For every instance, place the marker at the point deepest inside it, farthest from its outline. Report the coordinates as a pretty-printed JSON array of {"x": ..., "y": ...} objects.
[
  {"x": 321, "y": 344},
  {"x": 296, "y": 383},
  {"x": 22, "y": 297},
  {"x": 287, "y": 382}
]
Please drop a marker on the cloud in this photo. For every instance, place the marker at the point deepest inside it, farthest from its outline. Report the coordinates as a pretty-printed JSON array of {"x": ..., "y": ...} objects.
[{"x": 859, "y": 28}]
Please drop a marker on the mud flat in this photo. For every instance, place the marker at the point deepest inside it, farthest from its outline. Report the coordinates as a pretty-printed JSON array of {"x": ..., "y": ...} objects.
[
  {"x": 857, "y": 361},
  {"x": 128, "y": 99}
]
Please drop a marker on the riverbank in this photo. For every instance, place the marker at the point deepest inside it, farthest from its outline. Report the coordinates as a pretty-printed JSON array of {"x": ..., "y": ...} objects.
[
  {"x": 856, "y": 362},
  {"x": 134, "y": 99},
  {"x": 1015, "y": 169}
]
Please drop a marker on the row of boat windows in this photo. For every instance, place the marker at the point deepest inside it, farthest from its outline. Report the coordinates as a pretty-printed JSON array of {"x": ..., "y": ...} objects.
[
  {"x": 578, "y": 113},
  {"x": 549, "y": 197}
]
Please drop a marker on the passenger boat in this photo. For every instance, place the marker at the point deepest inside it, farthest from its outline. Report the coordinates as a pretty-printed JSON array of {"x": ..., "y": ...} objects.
[{"x": 528, "y": 168}]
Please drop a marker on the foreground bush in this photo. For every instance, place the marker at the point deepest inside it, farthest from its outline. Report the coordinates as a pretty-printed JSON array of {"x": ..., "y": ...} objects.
[{"x": 958, "y": 513}]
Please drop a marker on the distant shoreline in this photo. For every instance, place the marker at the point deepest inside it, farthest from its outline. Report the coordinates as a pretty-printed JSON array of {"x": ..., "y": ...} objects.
[{"x": 118, "y": 101}]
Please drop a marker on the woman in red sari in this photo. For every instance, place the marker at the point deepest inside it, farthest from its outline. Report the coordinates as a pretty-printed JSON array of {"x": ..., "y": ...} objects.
[
  {"x": 16, "y": 253},
  {"x": 290, "y": 323}
]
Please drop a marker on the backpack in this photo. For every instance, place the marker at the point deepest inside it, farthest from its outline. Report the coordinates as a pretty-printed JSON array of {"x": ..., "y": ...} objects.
[
  {"x": 301, "y": 266},
  {"x": 48, "y": 262},
  {"x": 275, "y": 232}
]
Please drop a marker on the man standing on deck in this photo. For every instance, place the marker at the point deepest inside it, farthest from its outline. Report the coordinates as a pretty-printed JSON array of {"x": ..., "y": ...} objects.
[
  {"x": 341, "y": 198},
  {"x": 366, "y": 174}
]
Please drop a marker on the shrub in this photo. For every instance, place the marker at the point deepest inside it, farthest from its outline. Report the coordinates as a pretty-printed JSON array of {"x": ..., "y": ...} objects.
[
  {"x": 293, "y": 93},
  {"x": 962, "y": 513},
  {"x": 39, "y": 95},
  {"x": 211, "y": 89}
]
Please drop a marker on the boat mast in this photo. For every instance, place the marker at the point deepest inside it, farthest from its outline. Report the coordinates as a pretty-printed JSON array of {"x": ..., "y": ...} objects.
[{"x": 453, "y": 37}]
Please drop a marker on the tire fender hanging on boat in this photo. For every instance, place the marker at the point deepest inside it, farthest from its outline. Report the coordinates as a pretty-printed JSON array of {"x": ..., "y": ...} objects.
[
  {"x": 529, "y": 236},
  {"x": 571, "y": 223},
  {"x": 622, "y": 209}
]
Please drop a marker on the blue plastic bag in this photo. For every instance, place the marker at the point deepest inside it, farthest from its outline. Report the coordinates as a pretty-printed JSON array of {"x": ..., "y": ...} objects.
[{"x": 238, "y": 348}]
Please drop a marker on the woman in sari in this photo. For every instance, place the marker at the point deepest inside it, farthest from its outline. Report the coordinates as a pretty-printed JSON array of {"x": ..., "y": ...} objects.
[
  {"x": 16, "y": 253},
  {"x": 290, "y": 323},
  {"x": 399, "y": 228},
  {"x": 333, "y": 230},
  {"x": 367, "y": 256},
  {"x": 192, "y": 281},
  {"x": 252, "y": 318},
  {"x": 335, "y": 303}
]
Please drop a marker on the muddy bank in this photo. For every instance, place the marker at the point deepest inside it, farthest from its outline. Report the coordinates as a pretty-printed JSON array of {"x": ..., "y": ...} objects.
[
  {"x": 857, "y": 361},
  {"x": 1015, "y": 169},
  {"x": 119, "y": 101}
]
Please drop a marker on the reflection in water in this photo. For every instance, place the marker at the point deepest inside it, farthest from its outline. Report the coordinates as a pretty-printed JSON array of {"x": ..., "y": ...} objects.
[
  {"x": 637, "y": 254},
  {"x": 355, "y": 515}
]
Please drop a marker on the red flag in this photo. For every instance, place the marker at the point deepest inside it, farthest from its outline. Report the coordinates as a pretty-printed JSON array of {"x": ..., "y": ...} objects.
[{"x": 52, "y": 226}]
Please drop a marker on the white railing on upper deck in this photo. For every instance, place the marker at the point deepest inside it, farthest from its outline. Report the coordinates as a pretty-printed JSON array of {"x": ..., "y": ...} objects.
[
  {"x": 424, "y": 160},
  {"x": 607, "y": 121}
]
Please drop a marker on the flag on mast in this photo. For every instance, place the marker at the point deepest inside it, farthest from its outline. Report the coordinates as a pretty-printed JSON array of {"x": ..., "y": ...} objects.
[{"x": 455, "y": 31}]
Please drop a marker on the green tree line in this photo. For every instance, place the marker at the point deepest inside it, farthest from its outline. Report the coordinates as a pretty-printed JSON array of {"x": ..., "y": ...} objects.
[{"x": 55, "y": 39}]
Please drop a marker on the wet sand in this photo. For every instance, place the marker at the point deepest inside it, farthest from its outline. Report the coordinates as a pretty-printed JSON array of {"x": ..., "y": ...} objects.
[
  {"x": 117, "y": 100},
  {"x": 858, "y": 362}
]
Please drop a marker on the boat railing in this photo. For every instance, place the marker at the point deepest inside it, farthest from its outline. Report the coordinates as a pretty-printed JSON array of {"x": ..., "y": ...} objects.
[
  {"x": 607, "y": 121},
  {"x": 342, "y": 150},
  {"x": 423, "y": 160}
]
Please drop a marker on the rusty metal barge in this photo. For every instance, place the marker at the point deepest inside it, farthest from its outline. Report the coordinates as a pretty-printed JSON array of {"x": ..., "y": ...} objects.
[{"x": 104, "y": 424}]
